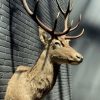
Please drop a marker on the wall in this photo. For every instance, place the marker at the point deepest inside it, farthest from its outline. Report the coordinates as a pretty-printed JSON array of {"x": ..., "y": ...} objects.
[
  {"x": 86, "y": 76},
  {"x": 20, "y": 44}
]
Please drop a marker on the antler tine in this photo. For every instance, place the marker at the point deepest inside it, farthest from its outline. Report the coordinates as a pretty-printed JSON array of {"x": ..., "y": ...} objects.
[
  {"x": 55, "y": 24},
  {"x": 61, "y": 10},
  {"x": 27, "y": 8},
  {"x": 77, "y": 36},
  {"x": 67, "y": 17},
  {"x": 65, "y": 14},
  {"x": 34, "y": 16},
  {"x": 76, "y": 26},
  {"x": 68, "y": 9},
  {"x": 35, "y": 9}
]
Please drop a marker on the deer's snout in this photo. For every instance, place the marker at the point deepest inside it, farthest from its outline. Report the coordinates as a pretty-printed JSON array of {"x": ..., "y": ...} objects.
[
  {"x": 75, "y": 59},
  {"x": 73, "y": 56},
  {"x": 79, "y": 58}
]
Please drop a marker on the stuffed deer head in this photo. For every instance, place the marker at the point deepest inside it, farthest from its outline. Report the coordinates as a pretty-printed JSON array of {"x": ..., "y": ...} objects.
[
  {"x": 34, "y": 83},
  {"x": 59, "y": 49}
]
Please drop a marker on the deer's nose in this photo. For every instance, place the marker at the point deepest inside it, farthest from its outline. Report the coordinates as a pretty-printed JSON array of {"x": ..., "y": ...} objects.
[{"x": 79, "y": 57}]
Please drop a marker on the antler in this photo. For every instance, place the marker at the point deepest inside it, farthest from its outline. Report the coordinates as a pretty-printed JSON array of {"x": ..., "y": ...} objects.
[
  {"x": 36, "y": 19},
  {"x": 47, "y": 29},
  {"x": 75, "y": 37},
  {"x": 34, "y": 16},
  {"x": 66, "y": 15}
]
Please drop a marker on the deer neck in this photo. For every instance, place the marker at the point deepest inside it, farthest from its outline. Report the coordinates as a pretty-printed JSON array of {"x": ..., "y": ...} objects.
[{"x": 44, "y": 65}]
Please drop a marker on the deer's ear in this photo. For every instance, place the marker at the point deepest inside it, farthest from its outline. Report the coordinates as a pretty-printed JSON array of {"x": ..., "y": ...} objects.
[{"x": 43, "y": 36}]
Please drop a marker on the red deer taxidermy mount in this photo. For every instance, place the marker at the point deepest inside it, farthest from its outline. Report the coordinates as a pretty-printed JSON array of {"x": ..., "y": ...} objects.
[{"x": 33, "y": 83}]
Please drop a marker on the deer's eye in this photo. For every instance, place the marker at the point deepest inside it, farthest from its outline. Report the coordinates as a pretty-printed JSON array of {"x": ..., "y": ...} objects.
[{"x": 57, "y": 45}]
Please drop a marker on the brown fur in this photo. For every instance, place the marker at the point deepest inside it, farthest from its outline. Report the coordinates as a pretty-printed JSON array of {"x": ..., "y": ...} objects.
[
  {"x": 34, "y": 83},
  {"x": 31, "y": 85}
]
